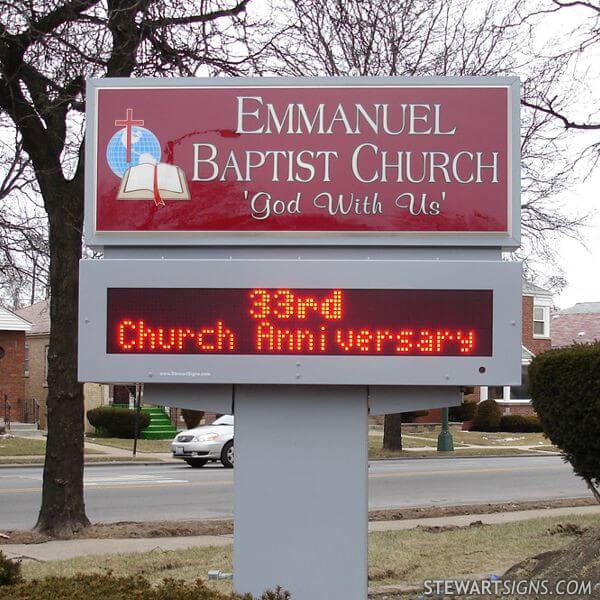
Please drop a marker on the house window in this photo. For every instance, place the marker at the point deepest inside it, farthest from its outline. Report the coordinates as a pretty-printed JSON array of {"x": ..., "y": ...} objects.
[
  {"x": 26, "y": 361},
  {"x": 508, "y": 393},
  {"x": 495, "y": 392},
  {"x": 46, "y": 366},
  {"x": 520, "y": 392},
  {"x": 541, "y": 321}
]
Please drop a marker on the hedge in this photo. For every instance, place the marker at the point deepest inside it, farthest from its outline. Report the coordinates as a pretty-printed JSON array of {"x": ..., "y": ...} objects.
[
  {"x": 192, "y": 418},
  {"x": 10, "y": 571},
  {"x": 487, "y": 416},
  {"x": 464, "y": 412},
  {"x": 565, "y": 390},
  {"x": 109, "y": 587},
  {"x": 520, "y": 424},
  {"x": 410, "y": 416},
  {"x": 117, "y": 422}
]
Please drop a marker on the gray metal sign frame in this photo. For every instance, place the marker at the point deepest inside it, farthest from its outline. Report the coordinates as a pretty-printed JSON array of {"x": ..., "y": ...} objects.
[
  {"x": 502, "y": 368},
  {"x": 96, "y": 238}
]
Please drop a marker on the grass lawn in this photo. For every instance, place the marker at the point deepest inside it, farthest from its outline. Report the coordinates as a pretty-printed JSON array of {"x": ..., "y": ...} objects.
[
  {"x": 478, "y": 438},
  {"x": 21, "y": 446},
  {"x": 548, "y": 448},
  {"x": 18, "y": 446},
  {"x": 142, "y": 446},
  {"x": 376, "y": 450},
  {"x": 394, "y": 556}
]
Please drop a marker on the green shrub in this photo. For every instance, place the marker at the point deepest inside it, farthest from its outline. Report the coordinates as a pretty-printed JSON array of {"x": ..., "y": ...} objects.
[
  {"x": 410, "y": 416},
  {"x": 192, "y": 418},
  {"x": 520, "y": 424},
  {"x": 487, "y": 416},
  {"x": 10, "y": 571},
  {"x": 465, "y": 412},
  {"x": 108, "y": 587},
  {"x": 117, "y": 422},
  {"x": 565, "y": 389}
]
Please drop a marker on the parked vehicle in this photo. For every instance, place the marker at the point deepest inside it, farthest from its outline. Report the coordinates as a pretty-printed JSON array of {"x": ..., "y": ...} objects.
[{"x": 208, "y": 443}]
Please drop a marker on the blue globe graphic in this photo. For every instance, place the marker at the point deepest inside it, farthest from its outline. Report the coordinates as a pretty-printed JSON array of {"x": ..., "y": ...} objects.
[{"x": 145, "y": 148}]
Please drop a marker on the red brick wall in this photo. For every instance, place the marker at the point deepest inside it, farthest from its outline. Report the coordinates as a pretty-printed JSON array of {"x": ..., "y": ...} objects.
[
  {"x": 517, "y": 409},
  {"x": 536, "y": 345},
  {"x": 433, "y": 416},
  {"x": 12, "y": 378}
]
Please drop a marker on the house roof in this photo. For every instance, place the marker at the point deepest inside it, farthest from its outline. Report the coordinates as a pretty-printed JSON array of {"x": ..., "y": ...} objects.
[
  {"x": 526, "y": 354},
  {"x": 582, "y": 308},
  {"x": 579, "y": 323},
  {"x": 9, "y": 321},
  {"x": 534, "y": 290},
  {"x": 38, "y": 315}
]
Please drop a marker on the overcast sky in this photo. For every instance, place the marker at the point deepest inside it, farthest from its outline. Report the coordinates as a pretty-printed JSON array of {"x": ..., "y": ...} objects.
[{"x": 581, "y": 265}]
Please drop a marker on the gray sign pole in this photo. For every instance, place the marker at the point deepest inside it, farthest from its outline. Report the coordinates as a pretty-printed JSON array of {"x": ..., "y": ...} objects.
[{"x": 301, "y": 491}]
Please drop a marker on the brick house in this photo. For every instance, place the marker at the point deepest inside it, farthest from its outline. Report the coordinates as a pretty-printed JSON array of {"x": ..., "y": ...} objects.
[
  {"x": 37, "y": 341},
  {"x": 13, "y": 364},
  {"x": 36, "y": 344},
  {"x": 537, "y": 305},
  {"x": 576, "y": 324}
]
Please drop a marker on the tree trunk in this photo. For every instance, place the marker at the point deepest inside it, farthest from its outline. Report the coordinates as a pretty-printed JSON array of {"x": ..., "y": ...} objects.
[
  {"x": 595, "y": 491},
  {"x": 392, "y": 432},
  {"x": 63, "y": 511}
]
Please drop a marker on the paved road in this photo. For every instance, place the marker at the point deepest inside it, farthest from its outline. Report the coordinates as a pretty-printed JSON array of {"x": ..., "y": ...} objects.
[{"x": 133, "y": 493}]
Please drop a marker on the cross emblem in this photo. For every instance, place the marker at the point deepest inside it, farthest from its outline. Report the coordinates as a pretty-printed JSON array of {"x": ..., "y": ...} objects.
[{"x": 128, "y": 122}]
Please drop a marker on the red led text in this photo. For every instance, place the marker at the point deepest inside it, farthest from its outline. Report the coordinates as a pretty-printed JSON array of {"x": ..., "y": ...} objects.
[
  {"x": 286, "y": 321},
  {"x": 140, "y": 337}
]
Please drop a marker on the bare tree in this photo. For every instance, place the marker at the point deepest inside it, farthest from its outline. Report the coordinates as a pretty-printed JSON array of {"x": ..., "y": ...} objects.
[
  {"x": 455, "y": 37},
  {"x": 47, "y": 50}
]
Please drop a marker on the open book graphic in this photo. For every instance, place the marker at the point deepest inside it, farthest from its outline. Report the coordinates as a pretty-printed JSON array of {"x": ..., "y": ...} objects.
[{"x": 154, "y": 182}]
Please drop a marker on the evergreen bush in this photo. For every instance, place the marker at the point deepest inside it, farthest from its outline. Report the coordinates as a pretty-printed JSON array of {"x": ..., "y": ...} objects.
[
  {"x": 106, "y": 586},
  {"x": 465, "y": 412},
  {"x": 10, "y": 571},
  {"x": 520, "y": 424},
  {"x": 410, "y": 416},
  {"x": 487, "y": 416},
  {"x": 192, "y": 418},
  {"x": 117, "y": 422},
  {"x": 565, "y": 389}
]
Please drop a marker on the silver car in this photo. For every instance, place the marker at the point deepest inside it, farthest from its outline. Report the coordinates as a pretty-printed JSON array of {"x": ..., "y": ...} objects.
[{"x": 212, "y": 442}]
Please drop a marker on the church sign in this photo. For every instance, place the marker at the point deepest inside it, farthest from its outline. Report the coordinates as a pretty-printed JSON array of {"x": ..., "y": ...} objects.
[
  {"x": 303, "y": 161},
  {"x": 384, "y": 322}
]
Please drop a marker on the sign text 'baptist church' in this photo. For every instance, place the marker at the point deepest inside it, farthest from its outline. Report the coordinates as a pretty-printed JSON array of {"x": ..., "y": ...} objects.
[{"x": 303, "y": 158}]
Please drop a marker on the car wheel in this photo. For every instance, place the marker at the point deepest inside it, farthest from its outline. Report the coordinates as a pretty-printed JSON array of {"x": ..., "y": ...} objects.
[
  {"x": 196, "y": 463},
  {"x": 227, "y": 455}
]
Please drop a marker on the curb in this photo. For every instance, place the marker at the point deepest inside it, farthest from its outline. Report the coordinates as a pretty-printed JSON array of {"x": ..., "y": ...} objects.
[
  {"x": 129, "y": 463},
  {"x": 105, "y": 463},
  {"x": 450, "y": 456}
]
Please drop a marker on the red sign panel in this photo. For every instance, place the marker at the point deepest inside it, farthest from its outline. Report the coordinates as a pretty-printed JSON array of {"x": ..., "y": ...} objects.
[
  {"x": 320, "y": 159},
  {"x": 299, "y": 321}
]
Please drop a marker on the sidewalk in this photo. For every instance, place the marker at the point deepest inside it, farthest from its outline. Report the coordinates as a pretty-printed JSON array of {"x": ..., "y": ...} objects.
[
  {"x": 65, "y": 549},
  {"x": 118, "y": 456}
]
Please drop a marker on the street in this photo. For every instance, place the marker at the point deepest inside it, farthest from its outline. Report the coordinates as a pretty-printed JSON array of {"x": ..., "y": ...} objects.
[{"x": 150, "y": 493}]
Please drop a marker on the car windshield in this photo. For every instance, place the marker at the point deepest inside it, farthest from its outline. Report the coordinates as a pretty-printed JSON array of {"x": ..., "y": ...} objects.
[{"x": 224, "y": 420}]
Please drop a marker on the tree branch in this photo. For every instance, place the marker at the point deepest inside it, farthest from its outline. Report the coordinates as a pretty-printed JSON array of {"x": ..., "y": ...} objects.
[{"x": 566, "y": 122}]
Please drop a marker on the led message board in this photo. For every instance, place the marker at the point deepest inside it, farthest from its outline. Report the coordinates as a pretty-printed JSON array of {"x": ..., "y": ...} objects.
[
  {"x": 287, "y": 161},
  {"x": 299, "y": 321},
  {"x": 379, "y": 322}
]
